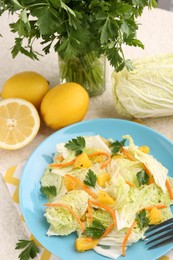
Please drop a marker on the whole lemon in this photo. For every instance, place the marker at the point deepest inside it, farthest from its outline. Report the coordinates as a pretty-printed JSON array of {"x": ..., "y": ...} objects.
[
  {"x": 64, "y": 104},
  {"x": 28, "y": 85}
]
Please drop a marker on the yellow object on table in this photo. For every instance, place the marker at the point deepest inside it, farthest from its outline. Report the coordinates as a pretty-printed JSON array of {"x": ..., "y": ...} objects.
[{"x": 12, "y": 179}]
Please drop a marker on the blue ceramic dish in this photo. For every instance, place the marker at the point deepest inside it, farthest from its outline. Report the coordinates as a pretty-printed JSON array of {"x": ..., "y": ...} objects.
[{"x": 31, "y": 199}]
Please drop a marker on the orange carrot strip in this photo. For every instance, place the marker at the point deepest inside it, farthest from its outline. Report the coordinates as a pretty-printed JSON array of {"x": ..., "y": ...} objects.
[
  {"x": 127, "y": 237},
  {"x": 108, "y": 230},
  {"x": 105, "y": 163},
  {"x": 82, "y": 186},
  {"x": 127, "y": 154},
  {"x": 106, "y": 208},
  {"x": 158, "y": 206},
  {"x": 169, "y": 189},
  {"x": 130, "y": 184},
  {"x": 149, "y": 173},
  {"x": 62, "y": 164},
  {"x": 92, "y": 194},
  {"x": 70, "y": 209},
  {"x": 59, "y": 157}
]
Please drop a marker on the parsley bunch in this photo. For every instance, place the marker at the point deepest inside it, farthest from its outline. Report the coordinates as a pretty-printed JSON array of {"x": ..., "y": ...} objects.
[{"x": 75, "y": 27}]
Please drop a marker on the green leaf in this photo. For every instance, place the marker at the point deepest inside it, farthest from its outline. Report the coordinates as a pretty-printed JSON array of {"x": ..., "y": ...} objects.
[
  {"x": 47, "y": 20},
  {"x": 104, "y": 33},
  {"x": 142, "y": 219},
  {"x": 90, "y": 178},
  {"x": 49, "y": 191},
  {"x": 30, "y": 250},
  {"x": 75, "y": 28},
  {"x": 76, "y": 144},
  {"x": 68, "y": 9},
  {"x": 142, "y": 177},
  {"x": 17, "y": 4},
  {"x": 129, "y": 65},
  {"x": 116, "y": 146},
  {"x": 95, "y": 230}
]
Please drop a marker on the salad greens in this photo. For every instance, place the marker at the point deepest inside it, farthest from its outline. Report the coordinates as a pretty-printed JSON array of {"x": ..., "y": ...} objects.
[
  {"x": 142, "y": 219},
  {"x": 148, "y": 88},
  {"x": 49, "y": 191},
  {"x": 105, "y": 199},
  {"x": 142, "y": 177}
]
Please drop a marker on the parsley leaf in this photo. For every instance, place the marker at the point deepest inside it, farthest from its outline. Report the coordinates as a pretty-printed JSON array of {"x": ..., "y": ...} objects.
[
  {"x": 142, "y": 177},
  {"x": 116, "y": 146},
  {"x": 49, "y": 191},
  {"x": 76, "y": 144},
  {"x": 30, "y": 249},
  {"x": 142, "y": 219},
  {"x": 90, "y": 178},
  {"x": 95, "y": 231},
  {"x": 77, "y": 27}
]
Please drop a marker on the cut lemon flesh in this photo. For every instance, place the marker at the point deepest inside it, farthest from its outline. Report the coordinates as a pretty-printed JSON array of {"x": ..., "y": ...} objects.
[{"x": 19, "y": 123}]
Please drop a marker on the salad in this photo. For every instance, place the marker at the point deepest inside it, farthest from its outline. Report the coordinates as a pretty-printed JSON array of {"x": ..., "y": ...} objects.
[{"x": 107, "y": 191}]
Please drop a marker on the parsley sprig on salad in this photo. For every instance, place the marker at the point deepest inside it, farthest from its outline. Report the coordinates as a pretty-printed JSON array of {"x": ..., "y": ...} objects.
[
  {"x": 76, "y": 144},
  {"x": 90, "y": 178}
]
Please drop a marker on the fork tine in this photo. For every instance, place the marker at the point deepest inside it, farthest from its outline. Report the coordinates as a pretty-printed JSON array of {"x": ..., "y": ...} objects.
[
  {"x": 164, "y": 242},
  {"x": 169, "y": 221},
  {"x": 159, "y": 231},
  {"x": 170, "y": 233}
]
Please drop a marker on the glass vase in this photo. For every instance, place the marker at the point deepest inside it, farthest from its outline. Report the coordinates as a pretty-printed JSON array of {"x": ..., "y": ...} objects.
[{"x": 88, "y": 70}]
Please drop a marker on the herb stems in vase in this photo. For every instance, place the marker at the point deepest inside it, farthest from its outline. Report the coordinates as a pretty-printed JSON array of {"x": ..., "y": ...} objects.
[{"x": 86, "y": 69}]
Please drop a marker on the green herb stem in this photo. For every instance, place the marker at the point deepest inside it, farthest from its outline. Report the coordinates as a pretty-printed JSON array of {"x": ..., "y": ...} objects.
[{"x": 87, "y": 70}]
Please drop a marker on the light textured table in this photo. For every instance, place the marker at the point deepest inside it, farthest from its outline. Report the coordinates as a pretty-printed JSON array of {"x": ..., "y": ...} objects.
[{"x": 155, "y": 32}]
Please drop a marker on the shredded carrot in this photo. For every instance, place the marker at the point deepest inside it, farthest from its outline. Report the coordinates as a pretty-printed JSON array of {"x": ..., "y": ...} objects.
[
  {"x": 169, "y": 189},
  {"x": 70, "y": 209},
  {"x": 158, "y": 206},
  {"x": 62, "y": 164},
  {"x": 59, "y": 157},
  {"x": 149, "y": 173},
  {"x": 130, "y": 184},
  {"x": 127, "y": 154},
  {"x": 111, "y": 211},
  {"x": 106, "y": 162},
  {"x": 108, "y": 230},
  {"x": 127, "y": 237},
  {"x": 92, "y": 194}
]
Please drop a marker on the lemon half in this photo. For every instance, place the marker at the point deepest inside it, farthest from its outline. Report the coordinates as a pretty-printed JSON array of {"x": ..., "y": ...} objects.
[{"x": 19, "y": 123}]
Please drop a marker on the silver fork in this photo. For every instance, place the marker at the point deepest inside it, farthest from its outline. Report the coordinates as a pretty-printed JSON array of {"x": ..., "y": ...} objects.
[{"x": 160, "y": 234}]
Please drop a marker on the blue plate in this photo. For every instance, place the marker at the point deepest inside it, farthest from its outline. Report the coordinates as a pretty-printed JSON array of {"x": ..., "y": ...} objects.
[{"x": 31, "y": 200}]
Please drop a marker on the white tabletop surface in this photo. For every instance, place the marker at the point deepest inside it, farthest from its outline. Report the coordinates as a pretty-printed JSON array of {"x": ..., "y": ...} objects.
[{"x": 155, "y": 31}]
